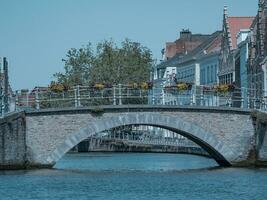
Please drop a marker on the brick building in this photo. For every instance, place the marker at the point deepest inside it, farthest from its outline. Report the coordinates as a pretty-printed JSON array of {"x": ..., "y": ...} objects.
[{"x": 185, "y": 44}]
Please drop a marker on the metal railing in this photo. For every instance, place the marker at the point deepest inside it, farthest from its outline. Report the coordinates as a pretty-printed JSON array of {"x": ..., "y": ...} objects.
[
  {"x": 158, "y": 141},
  {"x": 79, "y": 96},
  {"x": 146, "y": 138}
]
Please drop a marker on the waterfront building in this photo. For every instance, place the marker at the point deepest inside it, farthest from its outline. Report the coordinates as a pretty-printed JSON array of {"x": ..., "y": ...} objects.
[
  {"x": 165, "y": 73},
  {"x": 231, "y": 27},
  {"x": 200, "y": 66},
  {"x": 241, "y": 59},
  {"x": 257, "y": 55}
]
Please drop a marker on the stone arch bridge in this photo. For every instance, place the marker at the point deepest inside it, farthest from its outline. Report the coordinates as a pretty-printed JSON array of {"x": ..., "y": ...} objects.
[{"x": 40, "y": 138}]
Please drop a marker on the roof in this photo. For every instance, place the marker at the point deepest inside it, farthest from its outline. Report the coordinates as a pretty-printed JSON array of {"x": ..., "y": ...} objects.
[
  {"x": 209, "y": 46},
  {"x": 236, "y": 24}
]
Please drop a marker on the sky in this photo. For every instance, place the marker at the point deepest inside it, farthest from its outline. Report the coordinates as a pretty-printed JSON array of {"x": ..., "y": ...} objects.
[{"x": 36, "y": 34}]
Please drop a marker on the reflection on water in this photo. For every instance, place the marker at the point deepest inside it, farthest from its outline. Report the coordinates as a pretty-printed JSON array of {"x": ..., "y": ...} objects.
[
  {"x": 133, "y": 162},
  {"x": 134, "y": 176}
]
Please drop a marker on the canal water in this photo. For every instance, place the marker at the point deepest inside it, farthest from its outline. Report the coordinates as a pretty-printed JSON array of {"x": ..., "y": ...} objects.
[{"x": 119, "y": 176}]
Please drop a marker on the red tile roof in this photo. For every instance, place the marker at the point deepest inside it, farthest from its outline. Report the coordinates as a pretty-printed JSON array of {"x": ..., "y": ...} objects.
[{"x": 236, "y": 24}]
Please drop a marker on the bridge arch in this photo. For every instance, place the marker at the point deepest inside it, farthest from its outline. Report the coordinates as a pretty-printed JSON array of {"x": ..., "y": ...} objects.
[{"x": 216, "y": 148}]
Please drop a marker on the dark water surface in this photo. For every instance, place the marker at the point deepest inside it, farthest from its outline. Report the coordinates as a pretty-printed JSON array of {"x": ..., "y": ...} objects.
[{"x": 134, "y": 176}]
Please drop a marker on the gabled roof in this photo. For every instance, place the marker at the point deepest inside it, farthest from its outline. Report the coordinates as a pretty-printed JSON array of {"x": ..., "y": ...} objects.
[{"x": 235, "y": 24}]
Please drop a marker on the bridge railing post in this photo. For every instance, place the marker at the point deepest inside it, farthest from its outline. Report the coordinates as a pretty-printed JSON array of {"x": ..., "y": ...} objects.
[
  {"x": 254, "y": 102},
  {"x": 114, "y": 95},
  {"x": 201, "y": 96},
  {"x": 163, "y": 96},
  {"x": 2, "y": 105},
  {"x": 37, "y": 100},
  {"x": 230, "y": 102},
  {"x": 75, "y": 98},
  {"x": 242, "y": 102},
  {"x": 242, "y": 97},
  {"x": 153, "y": 97},
  {"x": 262, "y": 104},
  {"x": 17, "y": 100},
  {"x": 248, "y": 98},
  {"x": 27, "y": 98},
  {"x": 120, "y": 94},
  {"x": 192, "y": 94},
  {"x": 140, "y": 93},
  {"x": 78, "y": 96}
]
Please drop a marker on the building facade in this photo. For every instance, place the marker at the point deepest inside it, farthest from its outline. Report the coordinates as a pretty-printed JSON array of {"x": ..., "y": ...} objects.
[
  {"x": 209, "y": 69},
  {"x": 241, "y": 63},
  {"x": 200, "y": 67},
  {"x": 231, "y": 27},
  {"x": 257, "y": 55}
]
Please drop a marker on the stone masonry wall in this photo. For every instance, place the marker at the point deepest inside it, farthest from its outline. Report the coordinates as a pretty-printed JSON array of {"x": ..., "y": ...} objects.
[
  {"x": 52, "y": 133},
  {"x": 13, "y": 141},
  {"x": 260, "y": 140}
]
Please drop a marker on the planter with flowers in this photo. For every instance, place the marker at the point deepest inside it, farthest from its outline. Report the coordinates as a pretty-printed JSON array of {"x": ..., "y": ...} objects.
[
  {"x": 57, "y": 87},
  {"x": 144, "y": 85},
  {"x": 133, "y": 85},
  {"x": 99, "y": 86},
  {"x": 224, "y": 88},
  {"x": 184, "y": 86}
]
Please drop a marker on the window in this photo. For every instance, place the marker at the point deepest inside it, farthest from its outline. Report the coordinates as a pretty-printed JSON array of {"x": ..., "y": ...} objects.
[
  {"x": 211, "y": 73},
  {"x": 204, "y": 76},
  {"x": 208, "y": 74},
  {"x": 201, "y": 77},
  {"x": 215, "y": 73},
  {"x": 231, "y": 78}
]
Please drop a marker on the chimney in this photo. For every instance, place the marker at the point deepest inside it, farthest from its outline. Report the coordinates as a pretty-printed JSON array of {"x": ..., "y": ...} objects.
[{"x": 185, "y": 34}]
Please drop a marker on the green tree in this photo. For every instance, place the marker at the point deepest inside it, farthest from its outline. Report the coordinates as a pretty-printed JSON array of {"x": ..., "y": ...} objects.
[
  {"x": 136, "y": 62},
  {"x": 109, "y": 64},
  {"x": 106, "y": 63},
  {"x": 77, "y": 65}
]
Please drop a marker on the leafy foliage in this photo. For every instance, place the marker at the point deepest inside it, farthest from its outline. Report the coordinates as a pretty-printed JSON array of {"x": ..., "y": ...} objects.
[{"x": 108, "y": 65}]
